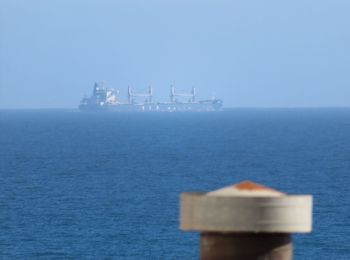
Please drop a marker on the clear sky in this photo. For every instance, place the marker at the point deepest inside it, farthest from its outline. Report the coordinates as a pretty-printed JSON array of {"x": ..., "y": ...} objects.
[{"x": 250, "y": 53}]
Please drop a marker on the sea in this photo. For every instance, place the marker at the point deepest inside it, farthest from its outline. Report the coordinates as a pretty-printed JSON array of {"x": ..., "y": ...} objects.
[{"x": 77, "y": 185}]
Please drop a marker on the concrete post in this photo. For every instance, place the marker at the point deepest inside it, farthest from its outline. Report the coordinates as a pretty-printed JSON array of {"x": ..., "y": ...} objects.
[{"x": 246, "y": 221}]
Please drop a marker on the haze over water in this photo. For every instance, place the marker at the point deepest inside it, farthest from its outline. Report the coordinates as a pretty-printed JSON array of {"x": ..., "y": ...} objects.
[
  {"x": 91, "y": 185},
  {"x": 250, "y": 53}
]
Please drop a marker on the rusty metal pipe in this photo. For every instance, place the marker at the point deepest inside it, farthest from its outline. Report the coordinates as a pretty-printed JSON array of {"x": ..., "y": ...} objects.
[{"x": 245, "y": 246}]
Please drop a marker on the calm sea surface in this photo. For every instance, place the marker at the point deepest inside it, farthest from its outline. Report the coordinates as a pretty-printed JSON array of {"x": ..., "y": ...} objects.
[{"x": 106, "y": 186}]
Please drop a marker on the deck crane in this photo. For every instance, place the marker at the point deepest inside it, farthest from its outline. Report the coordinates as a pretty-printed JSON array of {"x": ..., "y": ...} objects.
[
  {"x": 174, "y": 94},
  {"x": 132, "y": 93}
]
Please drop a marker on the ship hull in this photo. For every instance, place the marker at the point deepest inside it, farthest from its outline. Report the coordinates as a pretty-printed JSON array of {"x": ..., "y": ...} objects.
[{"x": 155, "y": 107}]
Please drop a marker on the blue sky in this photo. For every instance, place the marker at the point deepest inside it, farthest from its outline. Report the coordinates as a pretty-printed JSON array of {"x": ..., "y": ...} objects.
[{"x": 250, "y": 53}]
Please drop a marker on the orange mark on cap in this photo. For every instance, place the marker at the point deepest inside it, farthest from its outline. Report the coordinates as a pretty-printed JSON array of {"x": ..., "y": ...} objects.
[{"x": 251, "y": 186}]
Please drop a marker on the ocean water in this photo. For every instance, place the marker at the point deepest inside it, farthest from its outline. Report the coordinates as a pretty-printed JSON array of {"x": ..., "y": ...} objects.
[{"x": 106, "y": 186}]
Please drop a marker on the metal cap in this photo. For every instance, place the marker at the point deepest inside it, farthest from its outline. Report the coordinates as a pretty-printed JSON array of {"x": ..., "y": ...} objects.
[{"x": 246, "y": 207}]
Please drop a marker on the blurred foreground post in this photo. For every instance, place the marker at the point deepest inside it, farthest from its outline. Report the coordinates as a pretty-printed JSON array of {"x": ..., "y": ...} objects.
[{"x": 246, "y": 221}]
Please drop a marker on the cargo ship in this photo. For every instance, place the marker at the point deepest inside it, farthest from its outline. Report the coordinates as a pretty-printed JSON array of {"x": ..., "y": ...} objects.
[{"x": 106, "y": 99}]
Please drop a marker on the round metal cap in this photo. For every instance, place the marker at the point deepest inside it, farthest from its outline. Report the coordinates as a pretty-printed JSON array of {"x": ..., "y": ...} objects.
[{"x": 246, "y": 207}]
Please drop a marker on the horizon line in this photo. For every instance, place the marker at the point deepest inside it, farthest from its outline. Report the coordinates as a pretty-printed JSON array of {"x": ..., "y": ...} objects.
[{"x": 224, "y": 108}]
